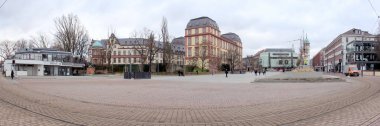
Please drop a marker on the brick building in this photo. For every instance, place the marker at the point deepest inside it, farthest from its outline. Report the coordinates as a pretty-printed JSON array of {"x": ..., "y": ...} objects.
[
  {"x": 317, "y": 61},
  {"x": 207, "y": 48}
]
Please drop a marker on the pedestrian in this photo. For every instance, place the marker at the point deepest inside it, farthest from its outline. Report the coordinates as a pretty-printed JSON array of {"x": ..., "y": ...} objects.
[
  {"x": 259, "y": 72},
  {"x": 255, "y": 72},
  {"x": 196, "y": 71},
  {"x": 179, "y": 73},
  {"x": 12, "y": 74},
  {"x": 264, "y": 72},
  {"x": 226, "y": 71}
]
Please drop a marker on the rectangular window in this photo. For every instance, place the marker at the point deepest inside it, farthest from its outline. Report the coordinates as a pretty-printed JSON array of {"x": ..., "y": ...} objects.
[
  {"x": 114, "y": 52},
  {"x": 196, "y": 40},
  {"x": 203, "y": 30},
  {"x": 189, "y": 52},
  {"x": 196, "y": 31},
  {"x": 114, "y": 60},
  {"x": 124, "y": 52},
  {"x": 189, "y": 41},
  {"x": 196, "y": 51}
]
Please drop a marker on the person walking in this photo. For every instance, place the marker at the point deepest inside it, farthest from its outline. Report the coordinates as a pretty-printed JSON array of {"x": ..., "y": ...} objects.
[
  {"x": 197, "y": 72},
  {"x": 12, "y": 74},
  {"x": 226, "y": 71},
  {"x": 259, "y": 72},
  {"x": 255, "y": 72},
  {"x": 264, "y": 72}
]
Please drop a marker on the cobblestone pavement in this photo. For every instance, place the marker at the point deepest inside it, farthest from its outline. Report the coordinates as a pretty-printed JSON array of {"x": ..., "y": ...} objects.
[
  {"x": 11, "y": 115},
  {"x": 163, "y": 101}
]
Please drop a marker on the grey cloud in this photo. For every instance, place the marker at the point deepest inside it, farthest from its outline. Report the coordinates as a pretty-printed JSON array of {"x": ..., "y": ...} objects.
[{"x": 260, "y": 24}]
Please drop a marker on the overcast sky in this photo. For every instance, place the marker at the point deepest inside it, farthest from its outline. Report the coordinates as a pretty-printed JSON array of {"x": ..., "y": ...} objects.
[{"x": 260, "y": 24}]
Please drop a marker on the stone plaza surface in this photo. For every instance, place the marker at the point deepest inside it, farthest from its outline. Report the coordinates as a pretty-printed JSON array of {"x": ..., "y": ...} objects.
[
  {"x": 189, "y": 100},
  {"x": 296, "y": 77}
]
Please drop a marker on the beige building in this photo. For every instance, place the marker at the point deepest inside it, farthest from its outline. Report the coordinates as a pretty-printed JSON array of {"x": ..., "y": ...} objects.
[
  {"x": 125, "y": 51},
  {"x": 207, "y": 48}
]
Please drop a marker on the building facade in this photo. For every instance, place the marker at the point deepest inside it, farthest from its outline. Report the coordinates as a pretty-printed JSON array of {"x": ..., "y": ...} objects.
[
  {"x": 364, "y": 54},
  {"x": 126, "y": 51},
  {"x": 42, "y": 62},
  {"x": 275, "y": 58},
  {"x": 207, "y": 48},
  {"x": 335, "y": 54},
  {"x": 317, "y": 61}
]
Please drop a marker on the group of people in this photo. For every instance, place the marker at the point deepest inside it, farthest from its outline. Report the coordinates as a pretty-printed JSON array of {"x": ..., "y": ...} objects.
[{"x": 259, "y": 71}]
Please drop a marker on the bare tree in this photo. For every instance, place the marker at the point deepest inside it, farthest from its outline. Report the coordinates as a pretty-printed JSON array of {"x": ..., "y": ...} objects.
[
  {"x": 203, "y": 57},
  {"x": 153, "y": 48},
  {"x": 7, "y": 49},
  {"x": 40, "y": 41},
  {"x": 71, "y": 35},
  {"x": 167, "y": 49},
  {"x": 146, "y": 47},
  {"x": 139, "y": 46},
  {"x": 193, "y": 62},
  {"x": 234, "y": 58},
  {"x": 215, "y": 63},
  {"x": 21, "y": 44}
]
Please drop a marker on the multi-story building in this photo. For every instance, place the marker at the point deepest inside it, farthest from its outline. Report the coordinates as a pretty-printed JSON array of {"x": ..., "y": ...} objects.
[
  {"x": 335, "y": 54},
  {"x": 42, "y": 62},
  {"x": 364, "y": 54},
  {"x": 178, "y": 46},
  {"x": 275, "y": 58},
  {"x": 317, "y": 61},
  {"x": 206, "y": 47},
  {"x": 125, "y": 51}
]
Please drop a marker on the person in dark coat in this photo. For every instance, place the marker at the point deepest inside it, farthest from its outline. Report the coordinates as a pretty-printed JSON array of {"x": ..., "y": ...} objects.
[
  {"x": 255, "y": 72},
  {"x": 197, "y": 72},
  {"x": 12, "y": 74},
  {"x": 259, "y": 72},
  {"x": 264, "y": 72},
  {"x": 226, "y": 71}
]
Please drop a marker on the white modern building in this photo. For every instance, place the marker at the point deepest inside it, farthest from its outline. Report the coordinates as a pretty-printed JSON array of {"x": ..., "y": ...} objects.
[
  {"x": 275, "y": 58},
  {"x": 335, "y": 58},
  {"x": 42, "y": 62}
]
